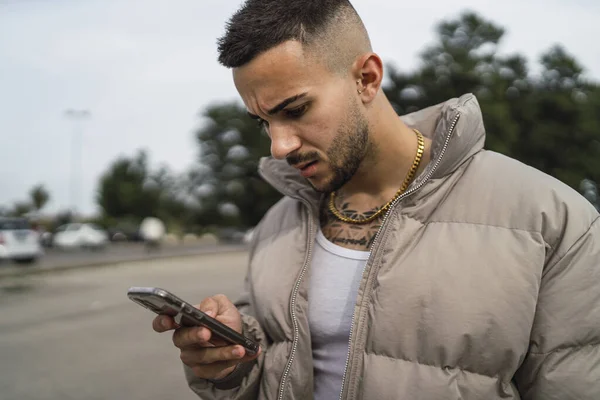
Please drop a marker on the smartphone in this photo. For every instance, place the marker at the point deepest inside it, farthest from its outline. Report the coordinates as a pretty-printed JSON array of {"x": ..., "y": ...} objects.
[{"x": 163, "y": 302}]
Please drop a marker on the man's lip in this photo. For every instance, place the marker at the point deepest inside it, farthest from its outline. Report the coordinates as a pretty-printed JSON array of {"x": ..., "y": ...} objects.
[
  {"x": 302, "y": 166},
  {"x": 309, "y": 169}
]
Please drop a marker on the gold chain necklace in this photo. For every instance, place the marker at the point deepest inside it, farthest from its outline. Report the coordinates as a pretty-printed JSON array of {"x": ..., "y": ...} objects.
[{"x": 407, "y": 180}]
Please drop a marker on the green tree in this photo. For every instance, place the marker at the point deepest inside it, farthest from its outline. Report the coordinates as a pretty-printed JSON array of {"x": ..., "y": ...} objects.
[
  {"x": 21, "y": 208},
  {"x": 171, "y": 192},
  {"x": 564, "y": 133},
  {"x": 125, "y": 192},
  {"x": 39, "y": 197},
  {"x": 465, "y": 60},
  {"x": 225, "y": 182},
  {"x": 130, "y": 191},
  {"x": 549, "y": 122}
]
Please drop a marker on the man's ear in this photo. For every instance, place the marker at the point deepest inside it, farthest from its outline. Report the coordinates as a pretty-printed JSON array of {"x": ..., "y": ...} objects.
[{"x": 368, "y": 70}]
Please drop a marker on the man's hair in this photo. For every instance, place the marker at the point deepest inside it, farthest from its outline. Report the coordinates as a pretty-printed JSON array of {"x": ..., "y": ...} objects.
[{"x": 332, "y": 27}]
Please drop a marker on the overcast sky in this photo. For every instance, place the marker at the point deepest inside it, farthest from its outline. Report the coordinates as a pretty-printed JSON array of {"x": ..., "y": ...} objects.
[{"x": 144, "y": 69}]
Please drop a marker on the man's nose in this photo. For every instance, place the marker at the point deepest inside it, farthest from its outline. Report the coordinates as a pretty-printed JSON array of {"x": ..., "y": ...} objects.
[{"x": 283, "y": 141}]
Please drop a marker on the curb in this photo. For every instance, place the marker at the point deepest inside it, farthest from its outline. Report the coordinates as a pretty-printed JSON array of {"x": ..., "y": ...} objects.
[{"x": 32, "y": 270}]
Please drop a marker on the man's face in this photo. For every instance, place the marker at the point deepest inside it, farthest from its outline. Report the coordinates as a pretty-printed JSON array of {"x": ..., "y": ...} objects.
[{"x": 312, "y": 115}]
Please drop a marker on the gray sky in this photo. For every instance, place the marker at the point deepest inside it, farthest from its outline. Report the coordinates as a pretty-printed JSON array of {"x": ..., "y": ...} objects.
[{"x": 145, "y": 68}]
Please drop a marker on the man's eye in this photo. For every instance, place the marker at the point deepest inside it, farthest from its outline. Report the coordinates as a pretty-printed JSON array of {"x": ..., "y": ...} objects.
[{"x": 296, "y": 112}]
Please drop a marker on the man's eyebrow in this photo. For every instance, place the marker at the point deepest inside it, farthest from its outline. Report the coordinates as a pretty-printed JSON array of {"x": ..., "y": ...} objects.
[
  {"x": 280, "y": 106},
  {"x": 286, "y": 103}
]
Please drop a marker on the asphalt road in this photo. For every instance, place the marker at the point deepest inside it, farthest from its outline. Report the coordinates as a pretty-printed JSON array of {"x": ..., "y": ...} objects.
[
  {"x": 75, "y": 335},
  {"x": 114, "y": 253}
]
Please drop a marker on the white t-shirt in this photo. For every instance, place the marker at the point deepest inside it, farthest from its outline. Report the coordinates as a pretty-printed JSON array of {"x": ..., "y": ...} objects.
[{"x": 335, "y": 276}]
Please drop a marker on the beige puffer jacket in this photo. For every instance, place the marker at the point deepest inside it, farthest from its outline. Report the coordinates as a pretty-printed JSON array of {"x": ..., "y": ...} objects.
[{"x": 483, "y": 283}]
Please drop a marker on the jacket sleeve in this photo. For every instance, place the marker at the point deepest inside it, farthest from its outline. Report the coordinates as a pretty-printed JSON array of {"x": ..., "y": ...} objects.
[
  {"x": 563, "y": 362},
  {"x": 244, "y": 382}
]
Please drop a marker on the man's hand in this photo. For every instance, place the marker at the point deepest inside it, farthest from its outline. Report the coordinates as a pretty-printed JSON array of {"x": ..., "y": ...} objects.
[{"x": 209, "y": 357}]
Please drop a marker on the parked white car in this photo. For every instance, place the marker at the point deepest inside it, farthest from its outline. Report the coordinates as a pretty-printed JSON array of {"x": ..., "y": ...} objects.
[
  {"x": 18, "y": 242},
  {"x": 75, "y": 235}
]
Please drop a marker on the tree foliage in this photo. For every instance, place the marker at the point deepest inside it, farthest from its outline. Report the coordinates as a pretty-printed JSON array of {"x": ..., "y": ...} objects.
[
  {"x": 548, "y": 121},
  {"x": 130, "y": 191},
  {"x": 123, "y": 192},
  {"x": 20, "y": 208},
  {"x": 225, "y": 181},
  {"x": 39, "y": 197}
]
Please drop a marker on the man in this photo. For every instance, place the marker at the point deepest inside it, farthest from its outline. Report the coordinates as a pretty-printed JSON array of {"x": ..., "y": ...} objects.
[{"x": 404, "y": 262}]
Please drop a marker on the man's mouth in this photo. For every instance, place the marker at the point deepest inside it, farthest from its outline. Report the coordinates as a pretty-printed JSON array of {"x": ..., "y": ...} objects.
[
  {"x": 305, "y": 165},
  {"x": 307, "y": 169}
]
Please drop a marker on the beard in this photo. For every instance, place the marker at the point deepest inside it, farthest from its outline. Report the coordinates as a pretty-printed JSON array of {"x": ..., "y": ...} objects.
[{"x": 349, "y": 148}]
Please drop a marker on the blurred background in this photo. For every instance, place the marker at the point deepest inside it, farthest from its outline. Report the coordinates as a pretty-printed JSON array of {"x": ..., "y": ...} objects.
[{"x": 114, "y": 112}]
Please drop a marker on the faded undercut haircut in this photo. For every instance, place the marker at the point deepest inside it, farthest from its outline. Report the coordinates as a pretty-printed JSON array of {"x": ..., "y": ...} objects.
[{"x": 330, "y": 30}]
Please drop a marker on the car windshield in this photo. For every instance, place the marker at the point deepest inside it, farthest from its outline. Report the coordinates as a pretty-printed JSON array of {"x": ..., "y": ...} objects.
[{"x": 13, "y": 224}]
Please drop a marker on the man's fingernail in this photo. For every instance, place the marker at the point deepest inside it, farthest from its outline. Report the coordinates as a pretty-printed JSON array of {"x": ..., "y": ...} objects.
[
  {"x": 210, "y": 313},
  {"x": 237, "y": 352},
  {"x": 164, "y": 323}
]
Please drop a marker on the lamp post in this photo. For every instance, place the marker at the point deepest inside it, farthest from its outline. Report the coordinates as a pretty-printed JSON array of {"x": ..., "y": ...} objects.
[{"x": 78, "y": 117}]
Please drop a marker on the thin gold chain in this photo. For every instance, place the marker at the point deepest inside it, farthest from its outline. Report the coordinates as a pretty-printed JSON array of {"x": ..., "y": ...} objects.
[{"x": 409, "y": 177}]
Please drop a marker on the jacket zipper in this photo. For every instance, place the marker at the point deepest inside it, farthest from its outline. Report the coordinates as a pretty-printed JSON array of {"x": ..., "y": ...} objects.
[
  {"x": 408, "y": 193},
  {"x": 288, "y": 367}
]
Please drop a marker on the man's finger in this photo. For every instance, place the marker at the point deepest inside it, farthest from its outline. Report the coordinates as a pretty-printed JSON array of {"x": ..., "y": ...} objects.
[
  {"x": 191, "y": 337},
  {"x": 216, "y": 305},
  {"x": 209, "y": 306},
  {"x": 206, "y": 336},
  {"x": 163, "y": 323},
  {"x": 250, "y": 357},
  {"x": 214, "y": 371},
  {"x": 223, "y": 302},
  {"x": 197, "y": 336},
  {"x": 193, "y": 357},
  {"x": 219, "y": 369}
]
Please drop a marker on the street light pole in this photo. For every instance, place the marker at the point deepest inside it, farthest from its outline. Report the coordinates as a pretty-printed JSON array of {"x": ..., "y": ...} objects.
[{"x": 78, "y": 117}]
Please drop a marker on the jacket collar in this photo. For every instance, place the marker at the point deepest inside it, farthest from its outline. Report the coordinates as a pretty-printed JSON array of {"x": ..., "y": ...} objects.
[{"x": 455, "y": 127}]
